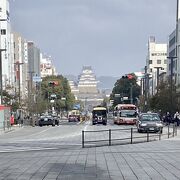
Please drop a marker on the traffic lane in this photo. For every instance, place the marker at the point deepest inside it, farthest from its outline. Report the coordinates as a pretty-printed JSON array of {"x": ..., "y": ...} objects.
[
  {"x": 45, "y": 132},
  {"x": 120, "y": 133},
  {"x": 42, "y": 138}
]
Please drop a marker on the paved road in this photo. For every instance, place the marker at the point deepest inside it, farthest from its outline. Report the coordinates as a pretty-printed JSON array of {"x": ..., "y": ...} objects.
[{"x": 47, "y": 153}]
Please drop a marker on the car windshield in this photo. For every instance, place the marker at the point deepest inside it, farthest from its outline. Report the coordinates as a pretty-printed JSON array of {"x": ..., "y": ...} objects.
[
  {"x": 150, "y": 117},
  {"x": 128, "y": 113}
]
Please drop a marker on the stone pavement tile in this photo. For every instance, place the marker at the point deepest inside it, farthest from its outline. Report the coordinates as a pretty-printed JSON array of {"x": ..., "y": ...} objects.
[
  {"x": 116, "y": 178},
  {"x": 115, "y": 173},
  {"x": 24, "y": 176},
  {"x": 102, "y": 174},
  {"x": 143, "y": 178},
  {"x": 52, "y": 175},
  {"x": 13, "y": 175},
  {"x": 74, "y": 177},
  {"x": 39, "y": 175},
  {"x": 90, "y": 170}
]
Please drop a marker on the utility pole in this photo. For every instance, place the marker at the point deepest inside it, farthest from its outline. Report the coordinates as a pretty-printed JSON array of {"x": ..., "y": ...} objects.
[
  {"x": 18, "y": 64},
  {"x": 146, "y": 87},
  {"x": 171, "y": 79},
  {"x": 158, "y": 68},
  {"x": 30, "y": 89},
  {"x": 131, "y": 93},
  {"x": 1, "y": 83}
]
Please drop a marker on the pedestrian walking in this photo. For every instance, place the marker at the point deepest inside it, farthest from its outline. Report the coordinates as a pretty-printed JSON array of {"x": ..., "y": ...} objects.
[
  {"x": 177, "y": 118},
  {"x": 168, "y": 119}
]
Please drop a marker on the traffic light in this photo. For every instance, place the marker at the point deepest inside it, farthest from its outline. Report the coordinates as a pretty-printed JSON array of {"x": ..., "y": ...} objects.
[
  {"x": 53, "y": 83},
  {"x": 128, "y": 76}
]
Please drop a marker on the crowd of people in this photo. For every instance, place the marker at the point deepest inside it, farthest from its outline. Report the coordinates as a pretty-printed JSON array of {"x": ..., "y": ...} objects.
[{"x": 172, "y": 118}]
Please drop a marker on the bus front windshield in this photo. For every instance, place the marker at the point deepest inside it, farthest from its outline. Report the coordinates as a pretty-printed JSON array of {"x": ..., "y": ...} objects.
[
  {"x": 127, "y": 113},
  {"x": 99, "y": 113}
]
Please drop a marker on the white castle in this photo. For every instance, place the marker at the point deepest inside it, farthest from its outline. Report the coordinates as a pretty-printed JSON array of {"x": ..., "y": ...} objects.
[
  {"x": 86, "y": 89},
  {"x": 87, "y": 81}
]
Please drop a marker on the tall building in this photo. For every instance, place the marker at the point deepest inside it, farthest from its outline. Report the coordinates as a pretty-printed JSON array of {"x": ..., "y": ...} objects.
[
  {"x": 33, "y": 59},
  {"x": 20, "y": 65},
  {"x": 47, "y": 67},
  {"x": 156, "y": 62},
  {"x": 174, "y": 51},
  {"x": 5, "y": 43},
  {"x": 74, "y": 88}
]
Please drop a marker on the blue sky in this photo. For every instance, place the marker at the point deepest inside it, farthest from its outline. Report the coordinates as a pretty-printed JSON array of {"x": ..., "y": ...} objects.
[{"x": 109, "y": 35}]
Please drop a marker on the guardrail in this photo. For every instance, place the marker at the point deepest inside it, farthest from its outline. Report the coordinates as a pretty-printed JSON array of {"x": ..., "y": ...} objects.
[{"x": 111, "y": 136}]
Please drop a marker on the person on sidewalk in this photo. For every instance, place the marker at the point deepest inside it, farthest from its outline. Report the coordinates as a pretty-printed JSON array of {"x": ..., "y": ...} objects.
[
  {"x": 12, "y": 119},
  {"x": 177, "y": 118},
  {"x": 167, "y": 119}
]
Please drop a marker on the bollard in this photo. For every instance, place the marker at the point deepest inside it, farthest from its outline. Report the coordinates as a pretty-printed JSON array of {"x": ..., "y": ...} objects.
[
  {"x": 4, "y": 126},
  {"x": 109, "y": 137},
  {"x": 83, "y": 139},
  {"x": 173, "y": 129},
  {"x": 147, "y": 136},
  {"x": 131, "y": 135},
  {"x": 159, "y": 135}
]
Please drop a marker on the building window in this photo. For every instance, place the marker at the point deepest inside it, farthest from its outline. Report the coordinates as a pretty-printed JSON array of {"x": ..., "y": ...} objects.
[
  {"x": 150, "y": 61},
  {"x": 150, "y": 70},
  {"x": 3, "y": 32},
  {"x": 158, "y": 61},
  {"x": 165, "y": 61}
]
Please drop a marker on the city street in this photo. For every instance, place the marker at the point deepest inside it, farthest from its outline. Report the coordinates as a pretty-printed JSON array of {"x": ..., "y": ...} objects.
[{"x": 56, "y": 153}]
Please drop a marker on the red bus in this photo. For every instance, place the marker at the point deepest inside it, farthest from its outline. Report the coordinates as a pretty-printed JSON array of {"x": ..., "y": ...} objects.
[{"x": 125, "y": 114}]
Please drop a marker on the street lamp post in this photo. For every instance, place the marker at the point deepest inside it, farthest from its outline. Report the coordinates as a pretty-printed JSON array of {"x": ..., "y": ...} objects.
[
  {"x": 146, "y": 87},
  {"x": 158, "y": 68},
  {"x": 171, "y": 78},
  {"x": 19, "y": 83},
  {"x": 1, "y": 83},
  {"x": 131, "y": 93}
]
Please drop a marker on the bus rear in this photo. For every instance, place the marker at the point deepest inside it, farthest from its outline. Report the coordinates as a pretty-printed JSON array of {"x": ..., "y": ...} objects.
[{"x": 99, "y": 115}]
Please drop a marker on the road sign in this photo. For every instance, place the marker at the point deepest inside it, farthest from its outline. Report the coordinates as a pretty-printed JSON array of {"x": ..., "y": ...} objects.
[
  {"x": 53, "y": 95},
  {"x": 37, "y": 79},
  {"x": 117, "y": 95}
]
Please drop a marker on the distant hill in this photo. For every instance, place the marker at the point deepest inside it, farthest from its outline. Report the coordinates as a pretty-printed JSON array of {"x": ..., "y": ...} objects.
[
  {"x": 106, "y": 82},
  {"x": 71, "y": 77}
]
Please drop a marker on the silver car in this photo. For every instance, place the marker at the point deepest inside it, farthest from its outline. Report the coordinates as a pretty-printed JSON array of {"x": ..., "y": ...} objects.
[{"x": 149, "y": 122}]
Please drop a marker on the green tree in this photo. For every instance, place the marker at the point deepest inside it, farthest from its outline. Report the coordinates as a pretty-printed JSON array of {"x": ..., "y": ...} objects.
[
  {"x": 123, "y": 87},
  {"x": 64, "y": 99},
  {"x": 161, "y": 101}
]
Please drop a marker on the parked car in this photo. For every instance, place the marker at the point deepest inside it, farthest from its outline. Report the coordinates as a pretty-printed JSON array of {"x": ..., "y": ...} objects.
[
  {"x": 149, "y": 122},
  {"x": 46, "y": 120},
  {"x": 73, "y": 118},
  {"x": 56, "y": 118}
]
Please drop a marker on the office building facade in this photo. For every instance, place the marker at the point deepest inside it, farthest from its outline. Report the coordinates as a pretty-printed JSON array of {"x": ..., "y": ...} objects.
[{"x": 156, "y": 63}]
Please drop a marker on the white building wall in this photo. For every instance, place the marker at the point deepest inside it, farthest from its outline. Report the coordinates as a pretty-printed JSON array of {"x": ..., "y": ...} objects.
[
  {"x": 177, "y": 61},
  {"x": 47, "y": 67},
  {"x": 156, "y": 58},
  {"x": 12, "y": 71},
  {"x": 5, "y": 42}
]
